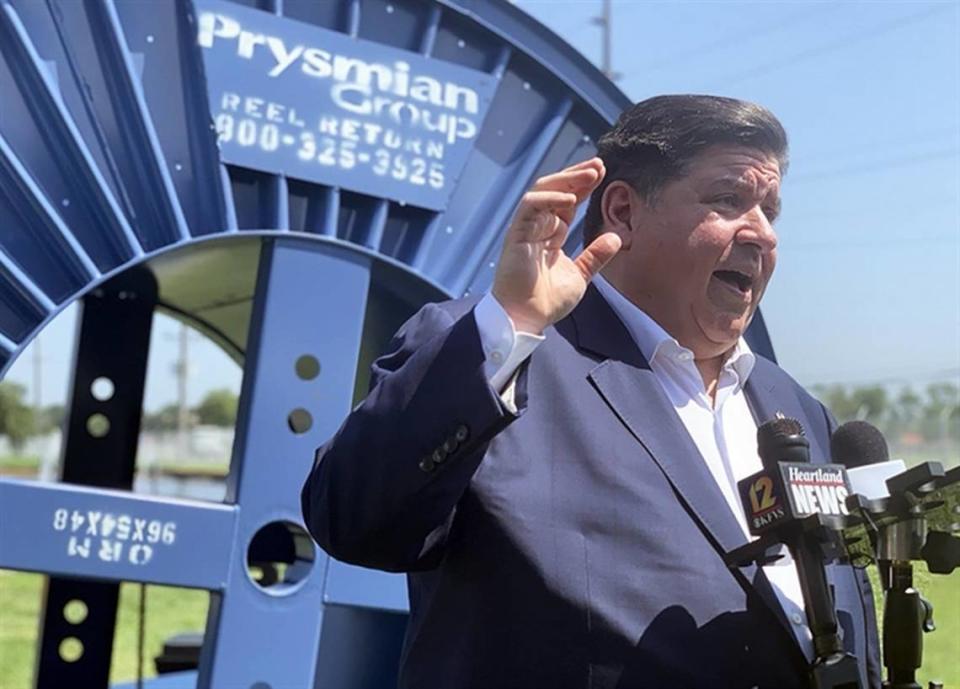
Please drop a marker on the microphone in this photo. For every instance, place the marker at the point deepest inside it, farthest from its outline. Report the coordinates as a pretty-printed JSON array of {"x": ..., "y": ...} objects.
[
  {"x": 899, "y": 516},
  {"x": 858, "y": 443},
  {"x": 801, "y": 505},
  {"x": 789, "y": 488},
  {"x": 904, "y": 506},
  {"x": 862, "y": 449}
]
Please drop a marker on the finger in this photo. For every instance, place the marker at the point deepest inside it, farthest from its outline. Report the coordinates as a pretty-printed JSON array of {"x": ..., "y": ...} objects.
[
  {"x": 593, "y": 258},
  {"x": 576, "y": 182},
  {"x": 558, "y": 237},
  {"x": 538, "y": 201},
  {"x": 540, "y": 227},
  {"x": 568, "y": 175},
  {"x": 574, "y": 178},
  {"x": 567, "y": 214},
  {"x": 585, "y": 192},
  {"x": 589, "y": 162}
]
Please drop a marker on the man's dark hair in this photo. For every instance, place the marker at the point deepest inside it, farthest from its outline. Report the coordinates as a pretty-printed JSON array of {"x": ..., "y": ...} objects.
[{"x": 654, "y": 141}]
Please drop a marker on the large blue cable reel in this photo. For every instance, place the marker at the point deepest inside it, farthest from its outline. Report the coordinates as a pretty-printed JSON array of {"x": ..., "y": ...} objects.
[{"x": 293, "y": 179}]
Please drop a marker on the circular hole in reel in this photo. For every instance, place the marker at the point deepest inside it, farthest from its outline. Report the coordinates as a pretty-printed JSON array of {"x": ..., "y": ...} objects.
[
  {"x": 98, "y": 425},
  {"x": 280, "y": 556},
  {"x": 102, "y": 389},
  {"x": 307, "y": 367},
  {"x": 75, "y": 611},
  {"x": 299, "y": 421},
  {"x": 70, "y": 649}
]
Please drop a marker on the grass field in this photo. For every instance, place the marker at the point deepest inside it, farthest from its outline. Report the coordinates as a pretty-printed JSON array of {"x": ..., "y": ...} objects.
[
  {"x": 27, "y": 466},
  {"x": 170, "y": 611}
]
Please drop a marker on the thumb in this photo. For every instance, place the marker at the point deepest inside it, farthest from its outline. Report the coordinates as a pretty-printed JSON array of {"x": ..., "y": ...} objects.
[{"x": 594, "y": 257}]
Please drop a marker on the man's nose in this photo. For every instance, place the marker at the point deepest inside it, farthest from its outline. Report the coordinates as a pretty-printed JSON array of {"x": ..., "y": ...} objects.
[{"x": 757, "y": 230}]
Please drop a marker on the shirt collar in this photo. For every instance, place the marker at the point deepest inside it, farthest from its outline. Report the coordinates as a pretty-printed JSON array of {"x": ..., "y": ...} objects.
[{"x": 655, "y": 342}]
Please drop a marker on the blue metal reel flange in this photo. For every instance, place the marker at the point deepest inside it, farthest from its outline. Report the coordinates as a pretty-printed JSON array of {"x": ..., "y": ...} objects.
[{"x": 298, "y": 178}]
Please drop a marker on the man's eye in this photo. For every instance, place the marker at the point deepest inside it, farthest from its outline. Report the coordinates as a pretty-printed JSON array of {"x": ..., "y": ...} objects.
[
  {"x": 729, "y": 200},
  {"x": 770, "y": 212}
]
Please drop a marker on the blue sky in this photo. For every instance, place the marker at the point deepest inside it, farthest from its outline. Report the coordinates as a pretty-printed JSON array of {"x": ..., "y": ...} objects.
[{"x": 867, "y": 287}]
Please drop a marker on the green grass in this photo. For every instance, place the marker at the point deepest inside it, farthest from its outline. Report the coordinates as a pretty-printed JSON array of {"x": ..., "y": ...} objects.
[
  {"x": 193, "y": 468},
  {"x": 19, "y": 465},
  {"x": 941, "y": 648},
  {"x": 26, "y": 461},
  {"x": 26, "y": 465},
  {"x": 169, "y": 611}
]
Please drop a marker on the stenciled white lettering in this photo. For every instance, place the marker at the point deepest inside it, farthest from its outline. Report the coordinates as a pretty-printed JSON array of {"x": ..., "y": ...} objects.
[
  {"x": 91, "y": 533},
  {"x": 352, "y": 72}
]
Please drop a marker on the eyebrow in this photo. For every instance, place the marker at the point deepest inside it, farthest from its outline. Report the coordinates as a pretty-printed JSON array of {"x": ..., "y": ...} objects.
[
  {"x": 738, "y": 183},
  {"x": 741, "y": 185}
]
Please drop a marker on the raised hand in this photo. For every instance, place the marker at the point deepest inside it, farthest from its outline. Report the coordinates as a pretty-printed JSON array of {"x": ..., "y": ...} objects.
[{"x": 536, "y": 283}]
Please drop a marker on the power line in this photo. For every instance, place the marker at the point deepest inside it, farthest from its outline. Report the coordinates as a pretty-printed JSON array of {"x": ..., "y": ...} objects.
[
  {"x": 948, "y": 133},
  {"x": 875, "y": 243},
  {"x": 735, "y": 41},
  {"x": 881, "y": 165},
  {"x": 839, "y": 44},
  {"x": 825, "y": 213}
]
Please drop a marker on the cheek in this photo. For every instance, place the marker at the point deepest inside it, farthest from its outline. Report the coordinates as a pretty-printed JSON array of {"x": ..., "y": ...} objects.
[
  {"x": 711, "y": 238},
  {"x": 769, "y": 264}
]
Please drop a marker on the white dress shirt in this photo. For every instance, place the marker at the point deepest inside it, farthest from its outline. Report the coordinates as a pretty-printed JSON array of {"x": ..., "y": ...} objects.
[{"x": 724, "y": 432}]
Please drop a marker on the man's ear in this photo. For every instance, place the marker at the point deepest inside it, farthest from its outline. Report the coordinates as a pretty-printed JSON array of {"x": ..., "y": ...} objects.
[{"x": 620, "y": 207}]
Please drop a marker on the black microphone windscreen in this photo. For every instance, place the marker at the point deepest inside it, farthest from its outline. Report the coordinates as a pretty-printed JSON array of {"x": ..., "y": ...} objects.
[
  {"x": 779, "y": 428},
  {"x": 782, "y": 439},
  {"x": 858, "y": 443}
]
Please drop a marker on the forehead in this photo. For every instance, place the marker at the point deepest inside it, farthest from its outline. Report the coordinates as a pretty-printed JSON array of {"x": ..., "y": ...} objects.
[{"x": 735, "y": 165}]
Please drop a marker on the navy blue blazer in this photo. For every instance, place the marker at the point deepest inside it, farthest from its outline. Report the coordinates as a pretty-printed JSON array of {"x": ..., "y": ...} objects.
[{"x": 576, "y": 543}]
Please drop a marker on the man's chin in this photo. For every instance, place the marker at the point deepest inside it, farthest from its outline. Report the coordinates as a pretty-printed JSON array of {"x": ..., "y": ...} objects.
[{"x": 724, "y": 333}]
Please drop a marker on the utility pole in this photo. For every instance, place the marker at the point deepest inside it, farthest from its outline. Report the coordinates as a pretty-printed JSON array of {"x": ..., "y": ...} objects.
[{"x": 604, "y": 22}]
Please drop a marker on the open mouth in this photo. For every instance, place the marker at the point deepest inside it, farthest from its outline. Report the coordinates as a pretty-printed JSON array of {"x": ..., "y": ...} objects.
[{"x": 739, "y": 281}]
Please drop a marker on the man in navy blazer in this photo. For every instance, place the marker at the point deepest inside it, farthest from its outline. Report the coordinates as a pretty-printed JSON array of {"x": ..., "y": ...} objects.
[{"x": 554, "y": 465}]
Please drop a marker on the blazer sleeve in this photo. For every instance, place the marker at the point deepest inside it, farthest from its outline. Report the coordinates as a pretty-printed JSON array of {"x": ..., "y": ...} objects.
[{"x": 383, "y": 491}]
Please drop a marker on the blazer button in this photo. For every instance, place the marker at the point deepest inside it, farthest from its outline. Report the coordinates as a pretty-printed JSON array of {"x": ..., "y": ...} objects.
[
  {"x": 450, "y": 445},
  {"x": 438, "y": 456},
  {"x": 462, "y": 433},
  {"x": 427, "y": 466}
]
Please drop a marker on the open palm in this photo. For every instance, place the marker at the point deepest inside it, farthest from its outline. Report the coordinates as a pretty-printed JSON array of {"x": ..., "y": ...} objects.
[{"x": 536, "y": 282}]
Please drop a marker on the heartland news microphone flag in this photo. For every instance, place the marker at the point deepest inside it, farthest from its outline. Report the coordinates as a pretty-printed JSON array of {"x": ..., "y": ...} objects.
[{"x": 793, "y": 490}]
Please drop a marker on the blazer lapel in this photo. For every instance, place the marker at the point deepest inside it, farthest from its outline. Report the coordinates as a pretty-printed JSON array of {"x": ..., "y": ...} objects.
[
  {"x": 631, "y": 389},
  {"x": 767, "y": 401},
  {"x": 628, "y": 385}
]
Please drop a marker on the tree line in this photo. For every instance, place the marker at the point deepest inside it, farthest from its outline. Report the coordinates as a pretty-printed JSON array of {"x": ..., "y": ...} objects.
[
  {"x": 906, "y": 416},
  {"x": 20, "y": 420}
]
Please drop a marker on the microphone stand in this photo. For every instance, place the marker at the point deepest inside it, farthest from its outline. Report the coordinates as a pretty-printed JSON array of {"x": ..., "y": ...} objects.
[
  {"x": 906, "y": 616},
  {"x": 811, "y": 541},
  {"x": 897, "y": 527},
  {"x": 777, "y": 515}
]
